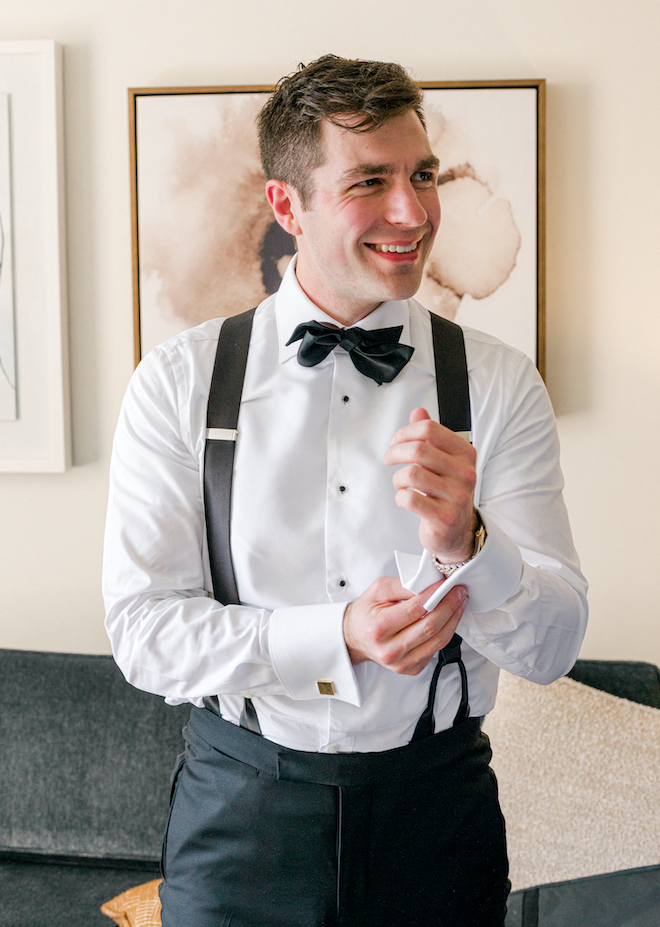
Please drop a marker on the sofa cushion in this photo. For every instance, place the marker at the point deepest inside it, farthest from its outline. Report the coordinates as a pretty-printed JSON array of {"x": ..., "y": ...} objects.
[
  {"x": 49, "y": 895},
  {"x": 86, "y": 757},
  {"x": 578, "y": 775}
]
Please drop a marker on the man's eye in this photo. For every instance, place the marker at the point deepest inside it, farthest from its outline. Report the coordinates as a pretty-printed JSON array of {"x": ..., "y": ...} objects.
[
  {"x": 370, "y": 182},
  {"x": 423, "y": 176}
]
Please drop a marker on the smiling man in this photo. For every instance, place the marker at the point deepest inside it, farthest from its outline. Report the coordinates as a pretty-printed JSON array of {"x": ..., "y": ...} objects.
[{"x": 338, "y": 625}]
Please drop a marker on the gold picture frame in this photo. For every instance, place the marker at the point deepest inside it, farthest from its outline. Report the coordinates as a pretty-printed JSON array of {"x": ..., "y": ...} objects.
[{"x": 204, "y": 243}]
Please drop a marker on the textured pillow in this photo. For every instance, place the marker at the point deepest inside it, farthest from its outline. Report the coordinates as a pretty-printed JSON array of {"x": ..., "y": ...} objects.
[
  {"x": 137, "y": 907},
  {"x": 579, "y": 780}
]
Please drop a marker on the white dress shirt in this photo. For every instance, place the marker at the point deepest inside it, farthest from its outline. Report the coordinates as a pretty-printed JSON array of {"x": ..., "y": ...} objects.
[{"x": 314, "y": 523}]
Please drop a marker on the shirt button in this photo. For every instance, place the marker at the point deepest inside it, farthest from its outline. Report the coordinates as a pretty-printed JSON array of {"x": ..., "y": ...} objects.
[
  {"x": 344, "y": 399},
  {"x": 342, "y": 489},
  {"x": 342, "y": 582}
]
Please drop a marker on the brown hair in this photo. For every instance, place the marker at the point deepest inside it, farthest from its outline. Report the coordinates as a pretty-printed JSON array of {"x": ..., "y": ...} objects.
[{"x": 332, "y": 88}]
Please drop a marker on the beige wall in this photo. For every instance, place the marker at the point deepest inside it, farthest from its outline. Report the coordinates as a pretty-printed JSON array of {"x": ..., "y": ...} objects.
[{"x": 601, "y": 62}]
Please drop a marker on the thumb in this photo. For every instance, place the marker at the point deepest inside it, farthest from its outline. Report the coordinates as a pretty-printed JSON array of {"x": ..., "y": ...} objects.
[{"x": 418, "y": 415}]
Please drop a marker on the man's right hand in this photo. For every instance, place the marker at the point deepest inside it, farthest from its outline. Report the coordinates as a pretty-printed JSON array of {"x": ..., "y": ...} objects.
[{"x": 389, "y": 625}]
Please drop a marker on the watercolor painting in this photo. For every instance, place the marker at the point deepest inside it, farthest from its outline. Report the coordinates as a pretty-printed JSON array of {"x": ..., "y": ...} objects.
[
  {"x": 206, "y": 243},
  {"x": 8, "y": 397}
]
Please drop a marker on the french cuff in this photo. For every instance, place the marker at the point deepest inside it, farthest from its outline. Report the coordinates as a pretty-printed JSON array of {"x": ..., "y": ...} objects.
[
  {"x": 309, "y": 655},
  {"x": 491, "y": 577}
]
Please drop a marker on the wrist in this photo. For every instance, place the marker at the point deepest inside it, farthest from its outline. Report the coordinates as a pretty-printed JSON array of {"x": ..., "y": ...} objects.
[
  {"x": 478, "y": 541},
  {"x": 354, "y": 654}
]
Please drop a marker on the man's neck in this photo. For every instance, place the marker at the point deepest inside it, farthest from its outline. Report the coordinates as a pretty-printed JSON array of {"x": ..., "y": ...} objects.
[{"x": 345, "y": 316}]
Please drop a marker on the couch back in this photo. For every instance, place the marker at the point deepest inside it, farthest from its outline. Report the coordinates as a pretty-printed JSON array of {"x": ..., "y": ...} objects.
[
  {"x": 631, "y": 679},
  {"x": 85, "y": 758}
]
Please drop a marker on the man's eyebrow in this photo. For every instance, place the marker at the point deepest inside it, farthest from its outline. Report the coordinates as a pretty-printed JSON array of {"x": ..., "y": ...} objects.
[
  {"x": 379, "y": 170},
  {"x": 362, "y": 170},
  {"x": 427, "y": 164}
]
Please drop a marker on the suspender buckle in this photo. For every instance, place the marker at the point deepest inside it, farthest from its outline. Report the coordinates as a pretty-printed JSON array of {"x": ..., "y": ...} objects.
[{"x": 221, "y": 434}]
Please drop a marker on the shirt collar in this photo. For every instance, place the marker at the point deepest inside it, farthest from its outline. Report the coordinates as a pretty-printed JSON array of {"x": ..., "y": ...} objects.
[{"x": 293, "y": 306}]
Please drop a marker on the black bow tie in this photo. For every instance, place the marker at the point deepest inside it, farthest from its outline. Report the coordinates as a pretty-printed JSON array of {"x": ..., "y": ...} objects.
[{"x": 376, "y": 354}]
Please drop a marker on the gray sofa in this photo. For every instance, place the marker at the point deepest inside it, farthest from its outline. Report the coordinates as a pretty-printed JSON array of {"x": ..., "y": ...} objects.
[{"x": 85, "y": 761}]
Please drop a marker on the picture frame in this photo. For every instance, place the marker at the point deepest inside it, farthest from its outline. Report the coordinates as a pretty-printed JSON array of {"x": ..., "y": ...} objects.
[
  {"x": 205, "y": 243},
  {"x": 35, "y": 433}
]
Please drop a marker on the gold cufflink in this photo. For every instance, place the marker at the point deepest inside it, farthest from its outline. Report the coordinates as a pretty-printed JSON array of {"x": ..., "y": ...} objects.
[{"x": 326, "y": 686}]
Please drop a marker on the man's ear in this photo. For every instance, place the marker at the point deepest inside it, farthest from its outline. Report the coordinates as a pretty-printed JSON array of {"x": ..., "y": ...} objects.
[{"x": 285, "y": 204}]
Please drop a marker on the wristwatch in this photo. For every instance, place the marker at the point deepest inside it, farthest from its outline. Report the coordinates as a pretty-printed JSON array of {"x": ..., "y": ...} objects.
[{"x": 479, "y": 541}]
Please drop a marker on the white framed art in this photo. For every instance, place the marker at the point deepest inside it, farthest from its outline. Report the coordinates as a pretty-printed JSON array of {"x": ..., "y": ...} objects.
[{"x": 34, "y": 374}]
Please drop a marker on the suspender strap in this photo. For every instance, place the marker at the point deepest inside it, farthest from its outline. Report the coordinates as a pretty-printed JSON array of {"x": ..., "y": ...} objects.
[
  {"x": 221, "y": 429},
  {"x": 450, "y": 654},
  {"x": 221, "y": 423},
  {"x": 451, "y": 375}
]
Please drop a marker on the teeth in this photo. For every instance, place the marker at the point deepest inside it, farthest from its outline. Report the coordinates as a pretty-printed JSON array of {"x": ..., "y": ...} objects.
[{"x": 395, "y": 249}]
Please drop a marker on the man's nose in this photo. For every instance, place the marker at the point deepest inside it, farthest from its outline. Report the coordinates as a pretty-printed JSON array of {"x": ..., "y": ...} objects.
[{"x": 405, "y": 208}]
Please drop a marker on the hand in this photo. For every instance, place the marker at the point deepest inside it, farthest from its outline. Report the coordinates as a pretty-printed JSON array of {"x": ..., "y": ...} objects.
[
  {"x": 389, "y": 625},
  {"x": 437, "y": 483}
]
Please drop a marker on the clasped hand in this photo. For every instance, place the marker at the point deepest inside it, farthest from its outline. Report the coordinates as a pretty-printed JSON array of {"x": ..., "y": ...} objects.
[{"x": 387, "y": 623}]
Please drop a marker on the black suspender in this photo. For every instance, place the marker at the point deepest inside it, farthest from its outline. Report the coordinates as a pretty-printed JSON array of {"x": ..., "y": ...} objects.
[
  {"x": 221, "y": 422},
  {"x": 221, "y": 429}
]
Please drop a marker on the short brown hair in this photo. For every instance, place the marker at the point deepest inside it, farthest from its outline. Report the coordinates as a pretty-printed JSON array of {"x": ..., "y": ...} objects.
[{"x": 329, "y": 88}]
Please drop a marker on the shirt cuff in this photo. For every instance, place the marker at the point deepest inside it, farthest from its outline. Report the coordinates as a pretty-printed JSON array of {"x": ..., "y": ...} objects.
[
  {"x": 307, "y": 648},
  {"x": 491, "y": 577}
]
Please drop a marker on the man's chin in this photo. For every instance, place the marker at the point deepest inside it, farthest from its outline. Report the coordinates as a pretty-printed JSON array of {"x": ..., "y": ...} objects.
[{"x": 402, "y": 285}]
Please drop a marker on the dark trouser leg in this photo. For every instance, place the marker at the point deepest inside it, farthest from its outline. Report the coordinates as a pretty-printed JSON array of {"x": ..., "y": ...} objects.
[{"x": 246, "y": 850}]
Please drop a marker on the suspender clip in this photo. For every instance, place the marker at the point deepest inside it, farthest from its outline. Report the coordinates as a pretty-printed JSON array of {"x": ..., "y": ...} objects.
[{"x": 221, "y": 434}]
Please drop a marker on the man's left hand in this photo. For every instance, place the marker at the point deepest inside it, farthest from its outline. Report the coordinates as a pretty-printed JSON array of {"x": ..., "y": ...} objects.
[{"x": 437, "y": 483}]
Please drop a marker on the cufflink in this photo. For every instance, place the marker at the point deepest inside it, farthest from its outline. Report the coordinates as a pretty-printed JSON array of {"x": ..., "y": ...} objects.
[{"x": 326, "y": 686}]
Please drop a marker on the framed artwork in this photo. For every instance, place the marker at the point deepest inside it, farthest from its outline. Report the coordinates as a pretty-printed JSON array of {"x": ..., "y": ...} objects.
[
  {"x": 205, "y": 243},
  {"x": 34, "y": 379}
]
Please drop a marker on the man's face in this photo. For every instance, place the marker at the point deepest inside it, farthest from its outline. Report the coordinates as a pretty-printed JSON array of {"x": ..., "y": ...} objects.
[{"x": 375, "y": 191}]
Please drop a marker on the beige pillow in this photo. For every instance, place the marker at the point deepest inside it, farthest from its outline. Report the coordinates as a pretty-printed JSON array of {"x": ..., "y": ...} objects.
[
  {"x": 137, "y": 907},
  {"x": 579, "y": 775}
]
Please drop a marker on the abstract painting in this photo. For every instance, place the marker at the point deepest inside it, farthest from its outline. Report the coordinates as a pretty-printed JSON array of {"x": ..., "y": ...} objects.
[{"x": 205, "y": 243}]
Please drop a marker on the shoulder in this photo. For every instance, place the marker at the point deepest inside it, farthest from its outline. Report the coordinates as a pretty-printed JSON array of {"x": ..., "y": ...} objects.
[
  {"x": 193, "y": 343},
  {"x": 504, "y": 382},
  {"x": 487, "y": 356}
]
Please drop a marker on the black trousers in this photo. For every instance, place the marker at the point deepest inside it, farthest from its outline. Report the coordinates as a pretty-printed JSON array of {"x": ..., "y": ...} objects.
[{"x": 263, "y": 836}]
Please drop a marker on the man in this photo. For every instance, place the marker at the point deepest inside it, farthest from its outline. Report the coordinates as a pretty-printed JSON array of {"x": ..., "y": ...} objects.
[{"x": 314, "y": 790}]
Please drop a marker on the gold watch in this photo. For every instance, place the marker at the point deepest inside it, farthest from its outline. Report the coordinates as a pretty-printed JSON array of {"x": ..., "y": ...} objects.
[{"x": 479, "y": 541}]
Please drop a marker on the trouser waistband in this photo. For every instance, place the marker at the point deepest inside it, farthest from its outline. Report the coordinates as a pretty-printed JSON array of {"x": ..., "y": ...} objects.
[{"x": 340, "y": 769}]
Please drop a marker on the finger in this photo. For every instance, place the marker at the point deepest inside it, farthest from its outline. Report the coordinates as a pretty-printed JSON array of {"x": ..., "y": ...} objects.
[
  {"x": 419, "y": 651},
  {"x": 425, "y": 429},
  {"x": 422, "y": 656},
  {"x": 430, "y": 624},
  {"x": 419, "y": 415},
  {"x": 390, "y": 620},
  {"x": 451, "y": 486},
  {"x": 388, "y": 590}
]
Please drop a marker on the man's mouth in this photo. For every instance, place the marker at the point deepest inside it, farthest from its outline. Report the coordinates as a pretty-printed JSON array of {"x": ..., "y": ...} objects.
[{"x": 394, "y": 249}]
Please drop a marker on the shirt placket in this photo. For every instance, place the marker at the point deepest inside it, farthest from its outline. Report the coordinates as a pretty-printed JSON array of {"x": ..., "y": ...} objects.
[
  {"x": 339, "y": 581},
  {"x": 340, "y": 516}
]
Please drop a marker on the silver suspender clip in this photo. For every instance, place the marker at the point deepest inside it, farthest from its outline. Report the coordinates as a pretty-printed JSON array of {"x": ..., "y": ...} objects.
[
  {"x": 466, "y": 435},
  {"x": 221, "y": 434}
]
